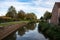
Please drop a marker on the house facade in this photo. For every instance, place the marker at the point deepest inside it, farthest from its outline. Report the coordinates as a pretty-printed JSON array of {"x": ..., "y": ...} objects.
[{"x": 55, "y": 19}]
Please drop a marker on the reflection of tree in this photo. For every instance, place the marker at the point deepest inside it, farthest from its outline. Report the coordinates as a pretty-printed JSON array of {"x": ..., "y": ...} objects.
[
  {"x": 21, "y": 31},
  {"x": 11, "y": 37},
  {"x": 30, "y": 26}
]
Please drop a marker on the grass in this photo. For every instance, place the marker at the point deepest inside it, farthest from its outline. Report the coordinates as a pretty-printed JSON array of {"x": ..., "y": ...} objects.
[{"x": 12, "y": 23}]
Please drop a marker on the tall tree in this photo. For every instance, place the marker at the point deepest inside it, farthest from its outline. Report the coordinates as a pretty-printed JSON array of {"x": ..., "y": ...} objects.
[
  {"x": 21, "y": 14},
  {"x": 31, "y": 16},
  {"x": 47, "y": 15},
  {"x": 11, "y": 12}
]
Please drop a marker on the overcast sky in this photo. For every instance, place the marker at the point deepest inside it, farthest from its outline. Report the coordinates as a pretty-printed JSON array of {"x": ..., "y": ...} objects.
[{"x": 37, "y": 6}]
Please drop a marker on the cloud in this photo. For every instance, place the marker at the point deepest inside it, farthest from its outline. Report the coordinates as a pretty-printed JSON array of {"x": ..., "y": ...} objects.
[{"x": 37, "y": 6}]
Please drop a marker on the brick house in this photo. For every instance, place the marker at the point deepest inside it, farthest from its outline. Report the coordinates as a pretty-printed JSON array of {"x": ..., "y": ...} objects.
[{"x": 55, "y": 19}]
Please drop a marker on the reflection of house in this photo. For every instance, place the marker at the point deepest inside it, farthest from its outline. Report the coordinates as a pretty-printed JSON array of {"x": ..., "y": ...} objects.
[{"x": 55, "y": 19}]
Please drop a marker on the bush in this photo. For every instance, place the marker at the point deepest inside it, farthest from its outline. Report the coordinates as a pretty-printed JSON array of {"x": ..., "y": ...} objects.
[
  {"x": 5, "y": 19},
  {"x": 52, "y": 31}
]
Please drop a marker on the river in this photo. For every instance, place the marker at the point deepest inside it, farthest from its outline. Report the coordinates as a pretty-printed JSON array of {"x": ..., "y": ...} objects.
[{"x": 27, "y": 32}]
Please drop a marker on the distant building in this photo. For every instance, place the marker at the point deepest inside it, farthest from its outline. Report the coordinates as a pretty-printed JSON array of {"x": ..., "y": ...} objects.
[{"x": 55, "y": 19}]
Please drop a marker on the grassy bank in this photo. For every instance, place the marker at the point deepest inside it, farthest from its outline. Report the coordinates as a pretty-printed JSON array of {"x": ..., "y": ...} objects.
[
  {"x": 52, "y": 31},
  {"x": 12, "y": 23}
]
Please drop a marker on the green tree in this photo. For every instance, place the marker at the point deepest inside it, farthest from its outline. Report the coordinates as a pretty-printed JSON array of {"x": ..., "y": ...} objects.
[
  {"x": 11, "y": 12},
  {"x": 21, "y": 14},
  {"x": 31, "y": 16},
  {"x": 47, "y": 15},
  {"x": 41, "y": 18}
]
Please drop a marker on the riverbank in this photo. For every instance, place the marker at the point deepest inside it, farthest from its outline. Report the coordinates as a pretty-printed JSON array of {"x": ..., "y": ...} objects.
[
  {"x": 11, "y": 23},
  {"x": 49, "y": 30},
  {"x": 11, "y": 28}
]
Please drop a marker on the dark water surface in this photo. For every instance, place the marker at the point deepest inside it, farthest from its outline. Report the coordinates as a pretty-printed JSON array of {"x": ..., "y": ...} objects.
[{"x": 27, "y": 32}]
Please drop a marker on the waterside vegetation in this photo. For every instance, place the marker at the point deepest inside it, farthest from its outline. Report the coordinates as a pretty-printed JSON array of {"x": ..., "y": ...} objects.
[
  {"x": 14, "y": 17},
  {"x": 50, "y": 30}
]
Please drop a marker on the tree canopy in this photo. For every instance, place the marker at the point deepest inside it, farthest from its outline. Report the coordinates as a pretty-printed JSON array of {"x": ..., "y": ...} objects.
[
  {"x": 47, "y": 15},
  {"x": 11, "y": 12},
  {"x": 31, "y": 16},
  {"x": 21, "y": 14}
]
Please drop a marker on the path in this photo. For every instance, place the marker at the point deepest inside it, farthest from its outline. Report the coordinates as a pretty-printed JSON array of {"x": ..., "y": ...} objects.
[{"x": 9, "y": 29}]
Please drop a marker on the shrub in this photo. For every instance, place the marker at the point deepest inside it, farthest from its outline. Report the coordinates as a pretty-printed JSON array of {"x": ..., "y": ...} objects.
[
  {"x": 5, "y": 19},
  {"x": 52, "y": 31}
]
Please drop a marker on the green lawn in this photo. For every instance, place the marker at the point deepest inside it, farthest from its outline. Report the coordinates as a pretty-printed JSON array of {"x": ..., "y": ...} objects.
[{"x": 12, "y": 23}]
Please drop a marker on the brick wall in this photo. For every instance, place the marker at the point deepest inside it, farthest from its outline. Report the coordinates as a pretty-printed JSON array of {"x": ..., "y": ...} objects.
[{"x": 55, "y": 13}]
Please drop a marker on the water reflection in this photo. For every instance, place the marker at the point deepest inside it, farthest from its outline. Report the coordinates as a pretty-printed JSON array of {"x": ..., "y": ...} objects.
[
  {"x": 26, "y": 28},
  {"x": 27, "y": 32},
  {"x": 21, "y": 31}
]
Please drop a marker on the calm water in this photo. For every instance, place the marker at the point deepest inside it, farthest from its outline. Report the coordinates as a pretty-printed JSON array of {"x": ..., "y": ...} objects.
[{"x": 28, "y": 32}]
